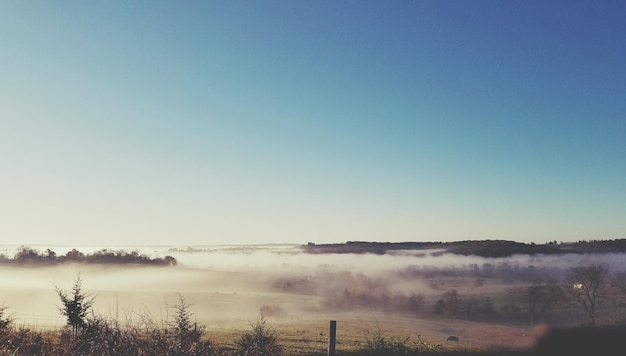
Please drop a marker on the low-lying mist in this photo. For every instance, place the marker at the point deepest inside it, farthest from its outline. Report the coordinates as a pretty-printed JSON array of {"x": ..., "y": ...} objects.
[{"x": 229, "y": 285}]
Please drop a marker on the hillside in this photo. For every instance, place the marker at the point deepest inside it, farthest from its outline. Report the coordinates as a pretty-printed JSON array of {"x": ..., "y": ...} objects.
[{"x": 484, "y": 248}]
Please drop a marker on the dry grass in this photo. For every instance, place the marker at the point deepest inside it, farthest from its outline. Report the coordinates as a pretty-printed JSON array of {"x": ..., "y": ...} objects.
[{"x": 310, "y": 336}]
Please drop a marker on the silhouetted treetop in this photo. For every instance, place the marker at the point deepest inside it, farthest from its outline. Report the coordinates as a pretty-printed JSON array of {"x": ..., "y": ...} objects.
[
  {"x": 484, "y": 248},
  {"x": 30, "y": 256},
  {"x": 497, "y": 248}
]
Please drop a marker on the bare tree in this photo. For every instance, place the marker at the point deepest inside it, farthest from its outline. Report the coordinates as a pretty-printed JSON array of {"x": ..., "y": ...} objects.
[
  {"x": 585, "y": 286},
  {"x": 75, "y": 306}
]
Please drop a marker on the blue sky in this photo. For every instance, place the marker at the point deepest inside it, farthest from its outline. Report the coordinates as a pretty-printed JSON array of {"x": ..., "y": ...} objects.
[{"x": 288, "y": 121}]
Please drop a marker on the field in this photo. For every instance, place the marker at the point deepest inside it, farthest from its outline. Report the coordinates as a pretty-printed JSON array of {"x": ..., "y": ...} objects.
[{"x": 395, "y": 297}]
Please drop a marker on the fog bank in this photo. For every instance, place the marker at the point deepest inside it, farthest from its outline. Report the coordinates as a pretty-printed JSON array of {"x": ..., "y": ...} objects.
[{"x": 228, "y": 285}]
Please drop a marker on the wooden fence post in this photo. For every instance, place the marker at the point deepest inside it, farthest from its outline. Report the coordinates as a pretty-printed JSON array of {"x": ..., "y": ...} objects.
[{"x": 332, "y": 338}]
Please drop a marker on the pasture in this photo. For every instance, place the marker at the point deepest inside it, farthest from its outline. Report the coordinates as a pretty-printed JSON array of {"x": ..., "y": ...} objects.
[{"x": 482, "y": 301}]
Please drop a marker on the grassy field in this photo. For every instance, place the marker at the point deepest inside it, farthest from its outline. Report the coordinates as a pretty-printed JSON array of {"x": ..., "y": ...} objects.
[
  {"x": 501, "y": 305},
  {"x": 302, "y": 322},
  {"x": 310, "y": 336}
]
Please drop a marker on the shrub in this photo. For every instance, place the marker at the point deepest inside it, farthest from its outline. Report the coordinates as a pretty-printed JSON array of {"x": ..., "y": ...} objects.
[
  {"x": 5, "y": 320},
  {"x": 261, "y": 340},
  {"x": 5, "y": 324},
  {"x": 377, "y": 344}
]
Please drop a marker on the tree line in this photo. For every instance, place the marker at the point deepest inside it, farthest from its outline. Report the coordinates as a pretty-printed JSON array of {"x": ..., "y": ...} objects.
[
  {"x": 31, "y": 256},
  {"x": 483, "y": 248},
  {"x": 588, "y": 291}
]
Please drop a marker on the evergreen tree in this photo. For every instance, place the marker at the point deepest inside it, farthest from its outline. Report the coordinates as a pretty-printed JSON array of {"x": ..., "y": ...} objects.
[{"x": 75, "y": 306}]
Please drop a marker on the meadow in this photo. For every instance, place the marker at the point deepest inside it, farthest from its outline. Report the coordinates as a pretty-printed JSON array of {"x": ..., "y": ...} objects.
[{"x": 414, "y": 298}]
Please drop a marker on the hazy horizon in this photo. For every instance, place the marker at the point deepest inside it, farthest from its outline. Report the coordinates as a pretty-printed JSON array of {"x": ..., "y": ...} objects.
[{"x": 227, "y": 286}]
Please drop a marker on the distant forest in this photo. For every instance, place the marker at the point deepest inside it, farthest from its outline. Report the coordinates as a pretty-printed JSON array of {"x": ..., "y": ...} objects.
[
  {"x": 483, "y": 248},
  {"x": 31, "y": 256}
]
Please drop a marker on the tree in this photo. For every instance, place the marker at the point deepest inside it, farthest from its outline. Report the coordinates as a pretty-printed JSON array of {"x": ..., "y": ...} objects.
[
  {"x": 452, "y": 302},
  {"x": 532, "y": 297},
  {"x": 74, "y": 255},
  {"x": 169, "y": 260},
  {"x": 187, "y": 333},
  {"x": 28, "y": 255},
  {"x": 416, "y": 301},
  {"x": 487, "y": 310},
  {"x": 75, "y": 306},
  {"x": 51, "y": 256},
  {"x": 439, "y": 307},
  {"x": 585, "y": 286},
  {"x": 5, "y": 320}
]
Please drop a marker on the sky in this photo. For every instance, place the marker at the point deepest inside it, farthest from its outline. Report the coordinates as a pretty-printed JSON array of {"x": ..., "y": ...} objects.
[{"x": 238, "y": 122}]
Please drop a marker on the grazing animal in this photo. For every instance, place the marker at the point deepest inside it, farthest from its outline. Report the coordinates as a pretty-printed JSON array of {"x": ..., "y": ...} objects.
[{"x": 452, "y": 339}]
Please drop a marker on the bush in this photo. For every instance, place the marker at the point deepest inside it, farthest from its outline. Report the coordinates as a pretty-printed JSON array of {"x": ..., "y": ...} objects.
[
  {"x": 5, "y": 324},
  {"x": 380, "y": 345},
  {"x": 261, "y": 340},
  {"x": 5, "y": 320},
  {"x": 377, "y": 344}
]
